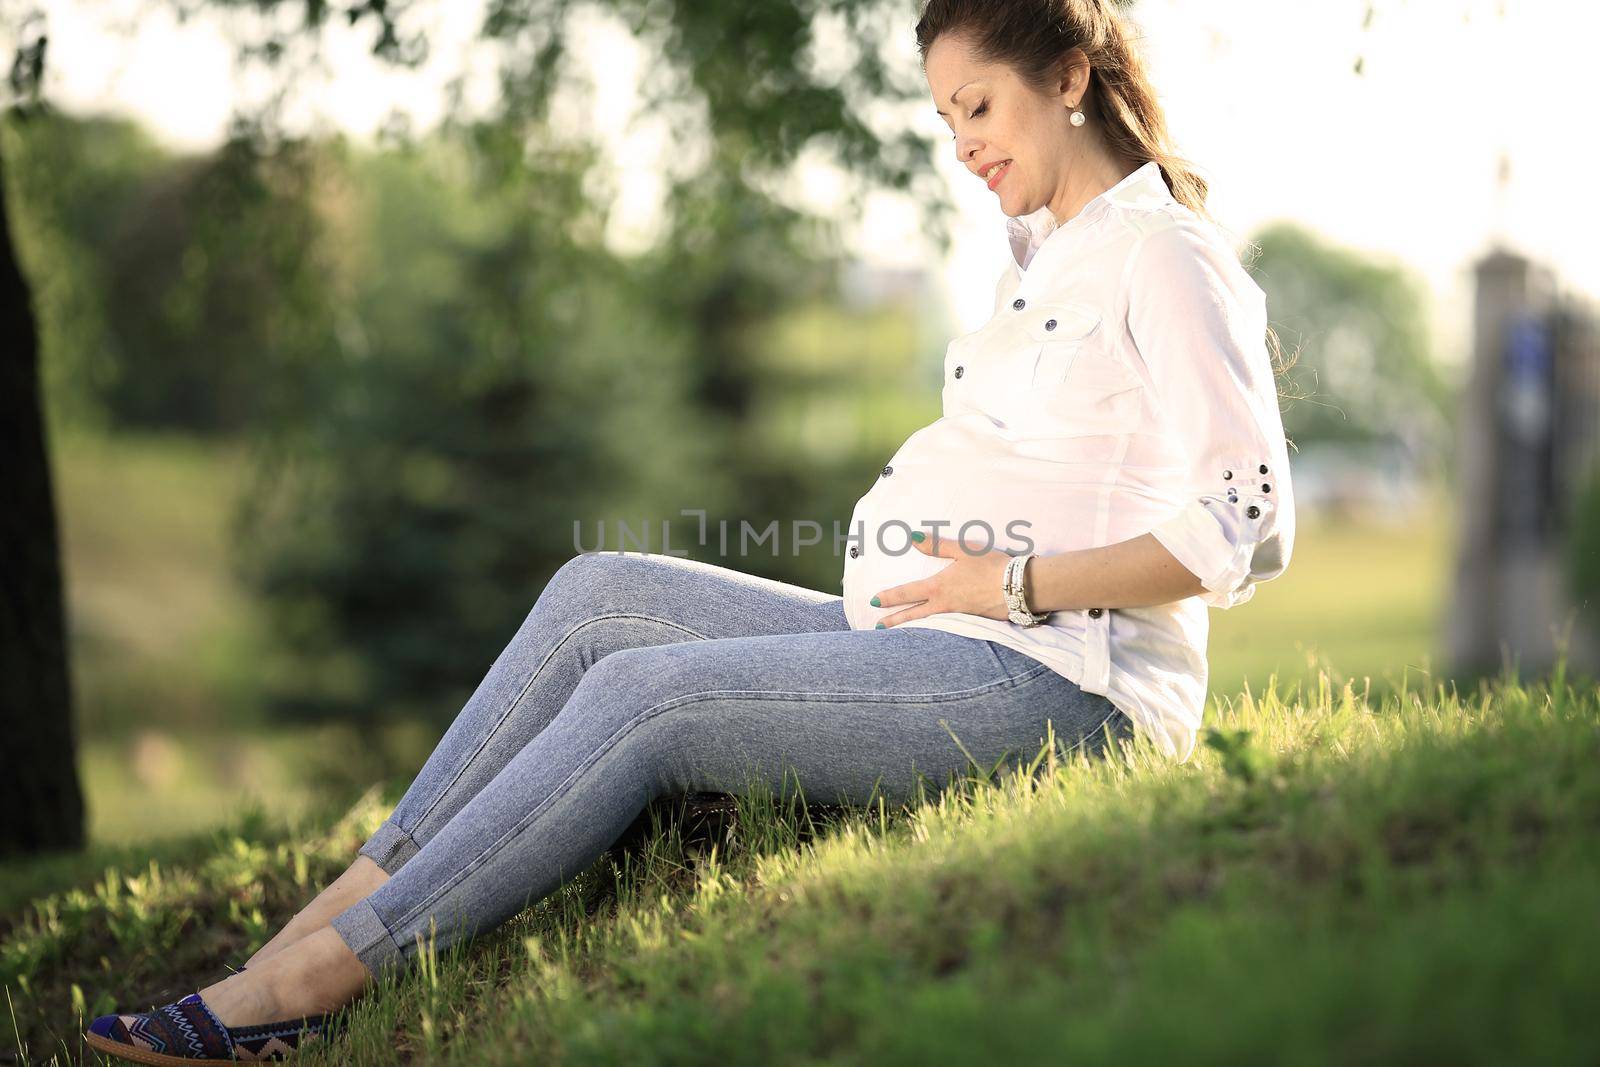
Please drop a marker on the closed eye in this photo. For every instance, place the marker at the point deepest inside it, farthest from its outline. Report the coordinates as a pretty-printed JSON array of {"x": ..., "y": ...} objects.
[{"x": 980, "y": 110}]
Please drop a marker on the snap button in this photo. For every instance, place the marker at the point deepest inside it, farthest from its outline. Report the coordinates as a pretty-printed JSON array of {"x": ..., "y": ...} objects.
[
  {"x": 1266, "y": 487},
  {"x": 1226, "y": 475},
  {"x": 959, "y": 371},
  {"x": 855, "y": 550},
  {"x": 1263, "y": 468},
  {"x": 1050, "y": 324},
  {"x": 887, "y": 471},
  {"x": 1095, "y": 613},
  {"x": 1018, "y": 304},
  {"x": 1253, "y": 511}
]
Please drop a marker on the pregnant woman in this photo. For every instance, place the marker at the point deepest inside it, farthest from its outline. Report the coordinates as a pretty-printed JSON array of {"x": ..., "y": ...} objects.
[{"x": 1037, "y": 562}]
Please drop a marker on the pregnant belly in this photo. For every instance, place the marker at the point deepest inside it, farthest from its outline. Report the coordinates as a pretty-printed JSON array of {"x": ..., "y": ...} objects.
[
  {"x": 984, "y": 514},
  {"x": 990, "y": 495},
  {"x": 885, "y": 571}
]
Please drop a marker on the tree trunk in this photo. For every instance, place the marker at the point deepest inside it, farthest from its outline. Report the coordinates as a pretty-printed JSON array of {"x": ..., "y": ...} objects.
[{"x": 41, "y": 805}]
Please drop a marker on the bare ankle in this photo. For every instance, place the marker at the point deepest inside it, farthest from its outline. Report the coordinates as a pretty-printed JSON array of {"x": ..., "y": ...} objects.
[
  {"x": 367, "y": 873},
  {"x": 356, "y": 882}
]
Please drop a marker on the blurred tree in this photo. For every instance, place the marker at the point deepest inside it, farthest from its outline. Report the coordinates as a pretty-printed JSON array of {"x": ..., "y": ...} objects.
[
  {"x": 213, "y": 294},
  {"x": 1365, "y": 370},
  {"x": 180, "y": 294},
  {"x": 74, "y": 181},
  {"x": 39, "y": 794},
  {"x": 468, "y": 412},
  {"x": 632, "y": 382}
]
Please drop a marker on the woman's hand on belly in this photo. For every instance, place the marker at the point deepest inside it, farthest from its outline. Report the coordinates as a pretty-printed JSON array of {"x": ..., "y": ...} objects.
[{"x": 971, "y": 584}]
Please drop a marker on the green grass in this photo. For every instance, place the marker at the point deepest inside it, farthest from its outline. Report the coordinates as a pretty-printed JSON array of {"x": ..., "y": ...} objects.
[
  {"x": 1345, "y": 872},
  {"x": 1329, "y": 880}
]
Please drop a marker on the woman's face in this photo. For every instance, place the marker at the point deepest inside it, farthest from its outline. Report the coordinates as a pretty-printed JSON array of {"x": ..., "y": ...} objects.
[{"x": 995, "y": 117}]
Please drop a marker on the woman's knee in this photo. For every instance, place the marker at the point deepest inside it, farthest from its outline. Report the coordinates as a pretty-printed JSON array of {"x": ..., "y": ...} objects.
[
  {"x": 580, "y": 589},
  {"x": 604, "y": 602},
  {"x": 585, "y": 571},
  {"x": 632, "y": 685},
  {"x": 600, "y": 582}
]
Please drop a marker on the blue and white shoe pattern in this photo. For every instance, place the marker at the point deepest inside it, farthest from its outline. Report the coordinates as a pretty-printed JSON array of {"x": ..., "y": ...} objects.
[{"x": 187, "y": 1032}]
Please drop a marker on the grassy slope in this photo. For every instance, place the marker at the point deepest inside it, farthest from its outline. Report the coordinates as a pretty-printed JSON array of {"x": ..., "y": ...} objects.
[
  {"x": 1412, "y": 878},
  {"x": 1348, "y": 882}
]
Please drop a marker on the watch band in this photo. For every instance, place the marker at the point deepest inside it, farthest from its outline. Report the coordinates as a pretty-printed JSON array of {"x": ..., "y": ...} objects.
[{"x": 1016, "y": 593}]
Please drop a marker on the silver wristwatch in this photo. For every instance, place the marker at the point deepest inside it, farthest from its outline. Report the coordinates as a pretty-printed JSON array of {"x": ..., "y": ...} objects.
[{"x": 1016, "y": 594}]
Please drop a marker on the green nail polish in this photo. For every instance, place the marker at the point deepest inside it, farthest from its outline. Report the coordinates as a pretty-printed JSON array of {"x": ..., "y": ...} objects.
[
  {"x": 880, "y": 626},
  {"x": 918, "y": 536},
  {"x": 875, "y": 603}
]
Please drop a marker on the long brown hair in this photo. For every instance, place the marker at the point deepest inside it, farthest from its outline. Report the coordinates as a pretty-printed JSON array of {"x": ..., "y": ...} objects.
[{"x": 1033, "y": 37}]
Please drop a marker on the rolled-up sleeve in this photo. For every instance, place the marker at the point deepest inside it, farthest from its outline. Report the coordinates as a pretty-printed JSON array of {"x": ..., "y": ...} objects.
[{"x": 1199, "y": 322}]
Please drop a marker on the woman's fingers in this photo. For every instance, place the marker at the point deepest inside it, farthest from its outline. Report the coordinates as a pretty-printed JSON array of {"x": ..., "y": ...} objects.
[
  {"x": 918, "y": 611},
  {"x": 909, "y": 593},
  {"x": 936, "y": 542},
  {"x": 921, "y": 594}
]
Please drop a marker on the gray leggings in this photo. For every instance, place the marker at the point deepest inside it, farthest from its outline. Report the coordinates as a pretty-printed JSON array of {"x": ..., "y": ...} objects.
[{"x": 639, "y": 676}]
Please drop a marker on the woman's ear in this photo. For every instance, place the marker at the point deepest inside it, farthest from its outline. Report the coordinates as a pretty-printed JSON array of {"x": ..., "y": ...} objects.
[{"x": 1074, "y": 77}]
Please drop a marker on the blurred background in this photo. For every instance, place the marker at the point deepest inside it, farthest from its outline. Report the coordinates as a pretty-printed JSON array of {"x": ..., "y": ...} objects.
[{"x": 345, "y": 314}]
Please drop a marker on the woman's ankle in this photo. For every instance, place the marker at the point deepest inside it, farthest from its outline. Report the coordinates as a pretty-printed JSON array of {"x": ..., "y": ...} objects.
[{"x": 354, "y": 884}]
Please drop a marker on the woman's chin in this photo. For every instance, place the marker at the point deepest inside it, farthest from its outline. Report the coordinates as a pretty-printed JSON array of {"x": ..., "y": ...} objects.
[{"x": 1016, "y": 207}]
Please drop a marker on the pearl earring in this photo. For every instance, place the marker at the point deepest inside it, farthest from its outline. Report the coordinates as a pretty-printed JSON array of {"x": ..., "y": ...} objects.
[{"x": 1077, "y": 118}]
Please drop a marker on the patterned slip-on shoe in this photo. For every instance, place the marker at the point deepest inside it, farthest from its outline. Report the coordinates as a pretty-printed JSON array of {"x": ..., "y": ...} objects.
[{"x": 187, "y": 1032}]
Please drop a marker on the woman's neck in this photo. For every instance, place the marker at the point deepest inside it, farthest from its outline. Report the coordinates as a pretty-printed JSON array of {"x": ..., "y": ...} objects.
[{"x": 1095, "y": 171}]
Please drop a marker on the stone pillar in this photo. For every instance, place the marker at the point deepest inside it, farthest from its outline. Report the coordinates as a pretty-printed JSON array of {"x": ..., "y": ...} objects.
[
  {"x": 1507, "y": 286},
  {"x": 1526, "y": 430}
]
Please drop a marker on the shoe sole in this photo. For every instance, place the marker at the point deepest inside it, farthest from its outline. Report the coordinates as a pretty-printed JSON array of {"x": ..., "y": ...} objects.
[{"x": 143, "y": 1055}]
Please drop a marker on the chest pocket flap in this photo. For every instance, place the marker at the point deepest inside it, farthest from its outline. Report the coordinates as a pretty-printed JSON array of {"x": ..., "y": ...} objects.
[{"x": 1059, "y": 322}]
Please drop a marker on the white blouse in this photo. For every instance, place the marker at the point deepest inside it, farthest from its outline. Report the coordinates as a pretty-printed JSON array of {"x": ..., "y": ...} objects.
[{"x": 1122, "y": 386}]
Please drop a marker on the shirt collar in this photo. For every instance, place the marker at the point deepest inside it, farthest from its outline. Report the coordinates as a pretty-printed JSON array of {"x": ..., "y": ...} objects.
[{"x": 1145, "y": 187}]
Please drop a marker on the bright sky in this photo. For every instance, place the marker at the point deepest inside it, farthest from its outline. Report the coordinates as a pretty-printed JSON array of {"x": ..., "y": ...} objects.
[{"x": 1400, "y": 161}]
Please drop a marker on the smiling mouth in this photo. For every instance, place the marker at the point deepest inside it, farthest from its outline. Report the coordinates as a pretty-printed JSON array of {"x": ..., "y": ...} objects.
[{"x": 995, "y": 175}]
